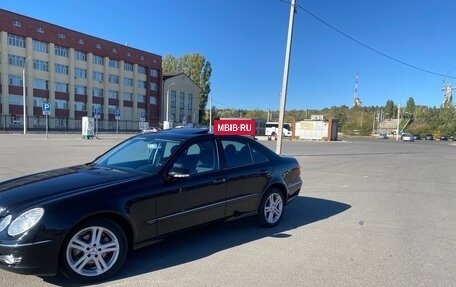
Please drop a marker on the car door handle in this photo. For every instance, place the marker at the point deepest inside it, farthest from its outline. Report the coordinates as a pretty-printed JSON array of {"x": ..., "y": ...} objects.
[
  {"x": 264, "y": 172},
  {"x": 220, "y": 180}
]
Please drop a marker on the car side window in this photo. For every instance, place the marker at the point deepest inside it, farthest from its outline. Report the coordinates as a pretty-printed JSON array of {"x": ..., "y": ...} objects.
[
  {"x": 199, "y": 157},
  {"x": 238, "y": 153}
]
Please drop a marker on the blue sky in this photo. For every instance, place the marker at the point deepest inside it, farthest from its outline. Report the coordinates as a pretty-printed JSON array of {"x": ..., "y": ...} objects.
[{"x": 245, "y": 42}]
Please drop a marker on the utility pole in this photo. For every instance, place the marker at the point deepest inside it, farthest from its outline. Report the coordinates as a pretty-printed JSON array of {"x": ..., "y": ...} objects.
[{"x": 283, "y": 95}]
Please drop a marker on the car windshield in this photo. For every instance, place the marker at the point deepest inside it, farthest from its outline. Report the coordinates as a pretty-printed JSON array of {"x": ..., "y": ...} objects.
[{"x": 142, "y": 154}]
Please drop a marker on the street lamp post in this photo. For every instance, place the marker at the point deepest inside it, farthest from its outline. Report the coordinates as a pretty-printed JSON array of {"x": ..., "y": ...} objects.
[
  {"x": 24, "y": 94},
  {"x": 167, "y": 102},
  {"x": 398, "y": 120}
]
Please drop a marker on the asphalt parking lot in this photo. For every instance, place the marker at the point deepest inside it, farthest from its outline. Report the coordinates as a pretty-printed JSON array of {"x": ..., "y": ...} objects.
[{"x": 371, "y": 213}]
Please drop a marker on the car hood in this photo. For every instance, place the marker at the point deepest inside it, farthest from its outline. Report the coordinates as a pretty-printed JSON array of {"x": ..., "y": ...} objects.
[{"x": 49, "y": 184}]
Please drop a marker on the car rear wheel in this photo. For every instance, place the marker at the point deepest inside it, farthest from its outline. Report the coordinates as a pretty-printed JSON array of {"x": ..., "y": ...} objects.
[
  {"x": 94, "y": 251},
  {"x": 271, "y": 208}
]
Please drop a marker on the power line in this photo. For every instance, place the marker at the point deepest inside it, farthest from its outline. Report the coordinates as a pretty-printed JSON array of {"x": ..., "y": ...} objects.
[{"x": 369, "y": 47}]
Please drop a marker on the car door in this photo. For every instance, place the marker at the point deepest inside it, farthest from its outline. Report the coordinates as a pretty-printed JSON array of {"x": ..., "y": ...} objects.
[
  {"x": 246, "y": 171},
  {"x": 198, "y": 198}
]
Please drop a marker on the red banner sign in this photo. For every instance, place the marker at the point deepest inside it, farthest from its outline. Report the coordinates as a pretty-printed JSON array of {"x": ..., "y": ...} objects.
[{"x": 234, "y": 127}]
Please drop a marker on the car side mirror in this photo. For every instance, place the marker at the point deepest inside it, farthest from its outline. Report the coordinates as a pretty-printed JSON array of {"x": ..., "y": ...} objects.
[{"x": 177, "y": 173}]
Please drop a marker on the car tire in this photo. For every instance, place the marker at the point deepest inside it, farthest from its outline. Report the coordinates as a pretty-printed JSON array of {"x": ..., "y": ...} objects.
[
  {"x": 271, "y": 208},
  {"x": 94, "y": 251}
]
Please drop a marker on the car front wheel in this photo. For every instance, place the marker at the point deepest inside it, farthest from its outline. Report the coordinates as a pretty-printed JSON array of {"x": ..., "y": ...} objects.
[
  {"x": 271, "y": 208},
  {"x": 94, "y": 251}
]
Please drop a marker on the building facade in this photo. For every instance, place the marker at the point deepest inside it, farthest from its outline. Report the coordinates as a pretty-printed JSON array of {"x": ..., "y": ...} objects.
[
  {"x": 76, "y": 74},
  {"x": 180, "y": 100}
]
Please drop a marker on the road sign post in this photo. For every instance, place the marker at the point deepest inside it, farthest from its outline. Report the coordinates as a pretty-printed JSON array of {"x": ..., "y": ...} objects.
[
  {"x": 117, "y": 123},
  {"x": 46, "y": 111},
  {"x": 97, "y": 113}
]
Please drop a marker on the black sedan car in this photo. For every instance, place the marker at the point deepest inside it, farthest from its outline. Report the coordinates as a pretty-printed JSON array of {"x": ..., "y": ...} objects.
[{"x": 83, "y": 220}]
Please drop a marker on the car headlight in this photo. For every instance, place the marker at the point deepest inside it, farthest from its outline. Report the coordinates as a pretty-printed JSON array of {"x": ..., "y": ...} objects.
[
  {"x": 25, "y": 221},
  {"x": 4, "y": 223}
]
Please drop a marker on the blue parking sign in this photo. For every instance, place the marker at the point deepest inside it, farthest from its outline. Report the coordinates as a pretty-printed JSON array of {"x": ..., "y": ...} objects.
[
  {"x": 46, "y": 109},
  {"x": 97, "y": 112}
]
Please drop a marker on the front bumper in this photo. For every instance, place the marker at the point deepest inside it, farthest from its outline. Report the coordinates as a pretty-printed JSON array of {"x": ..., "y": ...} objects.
[{"x": 37, "y": 258}]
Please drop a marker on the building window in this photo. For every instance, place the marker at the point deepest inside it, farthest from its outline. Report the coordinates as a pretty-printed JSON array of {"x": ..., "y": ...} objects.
[
  {"x": 80, "y": 106},
  {"x": 128, "y": 66},
  {"x": 98, "y": 60},
  {"x": 81, "y": 41},
  {"x": 128, "y": 82},
  {"x": 80, "y": 56},
  {"x": 61, "y": 35},
  {"x": 113, "y": 94},
  {"x": 40, "y": 84},
  {"x": 61, "y": 104},
  {"x": 141, "y": 84},
  {"x": 142, "y": 58},
  {"x": 40, "y": 65},
  {"x": 173, "y": 99},
  {"x": 154, "y": 73},
  {"x": 17, "y": 23},
  {"x": 15, "y": 80},
  {"x": 154, "y": 86},
  {"x": 181, "y": 103},
  {"x": 153, "y": 100},
  {"x": 113, "y": 79},
  {"x": 16, "y": 61},
  {"x": 140, "y": 98},
  {"x": 15, "y": 40},
  {"x": 112, "y": 109},
  {"x": 40, "y": 30},
  {"x": 190, "y": 102},
  {"x": 97, "y": 76},
  {"x": 61, "y": 69},
  {"x": 98, "y": 46},
  {"x": 61, "y": 51},
  {"x": 80, "y": 73},
  {"x": 114, "y": 50},
  {"x": 80, "y": 90},
  {"x": 128, "y": 54},
  {"x": 127, "y": 96},
  {"x": 38, "y": 102},
  {"x": 97, "y": 92},
  {"x": 141, "y": 70},
  {"x": 61, "y": 87},
  {"x": 15, "y": 100},
  {"x": 114, "y": 63},
  {"x": 40, "y": 46}
]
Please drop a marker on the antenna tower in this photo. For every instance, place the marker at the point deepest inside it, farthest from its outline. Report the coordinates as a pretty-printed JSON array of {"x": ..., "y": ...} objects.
[{"x": 356, "y": 101}]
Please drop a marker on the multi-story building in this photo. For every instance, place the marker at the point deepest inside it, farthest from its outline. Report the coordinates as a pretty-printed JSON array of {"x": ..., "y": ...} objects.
[
  {"x": 181, "y": 101},
  {"x": 76, "y": 74}
]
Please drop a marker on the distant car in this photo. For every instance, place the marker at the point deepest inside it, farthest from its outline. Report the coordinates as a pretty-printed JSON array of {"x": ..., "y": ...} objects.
[
  {"x": 84, "y": 219},
  {"x": 416, "y": 137},
  {"x": 151, "y": 130},
  {"x": 453, "y": 138},
  {"x": 407, "y": 138},
  {"x": 443, "y": 138},
  {"x": 383, "y": 136},
  {"x": 429, "y": 137}
]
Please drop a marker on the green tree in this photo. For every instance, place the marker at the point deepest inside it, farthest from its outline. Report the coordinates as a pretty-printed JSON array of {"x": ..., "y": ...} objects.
[
  {"x": 390, "y": 109},
  {"x": 410, "y": 107},
  {"x": 197, "y": 68}
]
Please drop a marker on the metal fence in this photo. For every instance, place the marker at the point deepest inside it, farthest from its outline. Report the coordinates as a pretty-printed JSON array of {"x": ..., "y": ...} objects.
[{"x": 9, "y": 123}]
